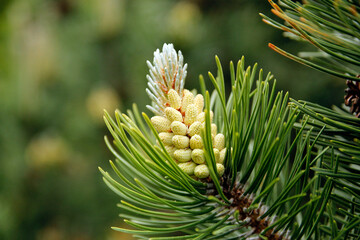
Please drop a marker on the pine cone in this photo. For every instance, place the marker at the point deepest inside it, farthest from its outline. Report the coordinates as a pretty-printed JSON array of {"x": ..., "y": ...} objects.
[
  {"x": 352, "y": 97},
  {"x": 179, "y": 115}
]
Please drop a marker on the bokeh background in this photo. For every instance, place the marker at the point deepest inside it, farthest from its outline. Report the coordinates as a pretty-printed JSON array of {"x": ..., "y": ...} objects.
[{"x": 63, "y": 61}]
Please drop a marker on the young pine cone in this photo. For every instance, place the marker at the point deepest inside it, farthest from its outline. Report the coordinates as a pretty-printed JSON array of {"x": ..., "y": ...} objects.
[
  {"x": 179, "y": 115},
  {"x": 180, "y": 129}
]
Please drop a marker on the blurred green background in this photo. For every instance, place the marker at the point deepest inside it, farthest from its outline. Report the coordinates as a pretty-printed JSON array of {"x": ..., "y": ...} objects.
[{"x": 63, "y": 61}]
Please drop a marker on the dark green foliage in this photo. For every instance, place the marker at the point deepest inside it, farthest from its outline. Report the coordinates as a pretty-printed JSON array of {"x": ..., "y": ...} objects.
[
  {"x": 339, "y": 166},
  {"x": 331, "y": 26}
]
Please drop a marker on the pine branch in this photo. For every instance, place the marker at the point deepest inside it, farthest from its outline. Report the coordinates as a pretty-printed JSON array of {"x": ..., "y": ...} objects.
[
  {"x": 331, "y": 26},
  {"x": 256, "y": 195},
  {"x": 339, "y": 164}
]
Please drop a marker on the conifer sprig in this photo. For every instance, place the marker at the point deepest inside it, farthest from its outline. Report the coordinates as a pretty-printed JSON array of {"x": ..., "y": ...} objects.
[
  {"x": 339, "y": 165},
  {"x": 333, "y": 27},
  {"x": 259, "y": 195}
]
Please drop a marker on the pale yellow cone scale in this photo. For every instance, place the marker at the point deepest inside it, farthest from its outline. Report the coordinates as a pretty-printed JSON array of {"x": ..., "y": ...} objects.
[
  {"x": 178, "y": 128},
  {"x": 213, "y": 129},
  {"x": 199, "y": 102},
  {"x": 161, "y": 124},
  {"x": 188, "y": 167},
  {"x": 170, "y": 149},
  {"x": 219, "y": 141},
  {"x": 166, "y": 138},
  {"x": 201, "y": 171},
  {"x": 196, "y": 142},
  {"x": 174, "y": 99},
  {"x": 220, "y": 169},
  {"x": 216, "y": 154},
  {"x": 194, "y": 128},
  {"x": 197, "y": 156},
  {"x": 180, "y": 141},
  {"x": 182, "y": 155},
  {"x": 190, "y": 114},
  {"x": 222, "y": 156},
  {"x": 201, "y": 117},
  {"x": 173, "y": 115},
  {"x": 187, "y": 99}
]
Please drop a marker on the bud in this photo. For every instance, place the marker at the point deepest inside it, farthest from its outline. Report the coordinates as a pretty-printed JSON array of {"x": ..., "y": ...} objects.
[
  {"x": 201, "y": 117},
  {"x": 173, "y": 115},
  {"x": 216, "y": 154},
  {"x": 222, "y": 156},
  {"x": 187, "y": 167},
  {"x": 220, "y": 169},
  {"x": 180, "y": 141},
  {"x": 194, "y": 128},
  {"x": 182, "y": 155},
  {"x": 187, "y": 99},
  {"x": 178, "y": 128},
  {"x": 197, "y": 156},
  {"x": 170, "y": 149},
  {"x": 161, "y": 124},
  {"x": 213, "y": 129},
  {"x": 166, "y": 138},
  {"x": 167, "y": 72},
  {"x": 201, "y": 171},
  {"x": 196, "y": 142},
  {"x": 174, "y": 99},
  {"x": 219, "y": 141},
  {"x": 190, "y": 114},
  {"x": 199, "y": 102}
]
